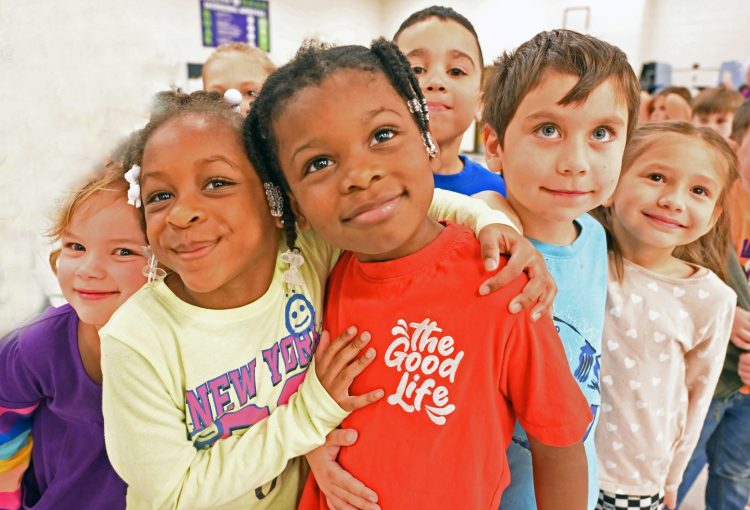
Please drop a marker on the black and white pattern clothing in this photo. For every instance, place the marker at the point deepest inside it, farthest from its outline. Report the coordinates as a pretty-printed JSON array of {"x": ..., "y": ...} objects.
[{"x": 610, "y": 501}]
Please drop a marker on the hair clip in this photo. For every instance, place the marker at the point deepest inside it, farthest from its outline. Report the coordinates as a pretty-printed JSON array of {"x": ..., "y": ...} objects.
[
  {"x": 429, "y": 144},
  {"x": 152, "y": 271},
  {"x": 275, "y": 200},
  {"x": 295, "y": 260},
  {"x": 134, "y": 190},
  {"x": 425, "y": 110},
  {"x": 234, "y": 98}
]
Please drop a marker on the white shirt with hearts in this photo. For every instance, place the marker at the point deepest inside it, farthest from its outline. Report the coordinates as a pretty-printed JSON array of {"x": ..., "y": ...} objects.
[{"x": 663, "y": 346}]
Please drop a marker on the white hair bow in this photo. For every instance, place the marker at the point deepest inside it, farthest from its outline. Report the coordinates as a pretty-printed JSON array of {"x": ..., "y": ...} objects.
[{"x": 134, "y": 191}]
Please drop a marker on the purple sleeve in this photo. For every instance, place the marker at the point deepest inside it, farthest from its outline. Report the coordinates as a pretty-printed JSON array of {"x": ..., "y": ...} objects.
[{"x": 18, "y": 385}]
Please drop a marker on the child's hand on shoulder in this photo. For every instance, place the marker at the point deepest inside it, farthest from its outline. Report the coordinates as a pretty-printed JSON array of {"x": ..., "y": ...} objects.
[
  {"x": 341, "y": 489},
  {"x": 741, "y": 329},
  {"x": 541, "y": 288},
  {"x": 337, "y": 364}
]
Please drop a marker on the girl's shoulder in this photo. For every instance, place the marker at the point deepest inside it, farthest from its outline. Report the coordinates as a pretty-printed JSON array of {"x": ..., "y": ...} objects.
[{"x": 47, "y": 328}]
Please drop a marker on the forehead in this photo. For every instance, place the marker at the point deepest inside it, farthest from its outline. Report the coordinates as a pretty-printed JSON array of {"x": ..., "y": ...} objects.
[
  {"x": 107, "y": 209},
  {"x": 344, "y": 94},
  {"x": 686, "y": 154},
  {"x": 604, "y": 100},
  {"x": 233, "y": 67},
  {"x": 436, "y": 36}
]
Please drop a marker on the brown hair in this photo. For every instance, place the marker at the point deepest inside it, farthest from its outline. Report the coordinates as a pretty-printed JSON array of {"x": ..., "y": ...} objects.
[
  {"x": 239, "y": 47},
  {"x": 741, "y": 122},
  {"x": 517, "y": 73},
  {"x": 716, "y": 100},
  {"x": 108, "y": 179},
  {"x": 710, "y": 250},
  {"x": 444, "y": 14}
]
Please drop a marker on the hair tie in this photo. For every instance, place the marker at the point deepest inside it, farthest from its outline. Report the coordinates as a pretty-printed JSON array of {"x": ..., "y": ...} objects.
[{"x": 234, "y": 98}]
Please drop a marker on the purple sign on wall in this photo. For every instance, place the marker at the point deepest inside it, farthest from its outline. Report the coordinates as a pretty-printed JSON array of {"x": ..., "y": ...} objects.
[{"x": 224, "y": 21}]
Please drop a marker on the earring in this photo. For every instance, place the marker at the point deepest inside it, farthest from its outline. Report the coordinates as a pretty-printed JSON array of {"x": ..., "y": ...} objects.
[
  {"x": 152, "y": 271},
  {"x": 275, "y": 200}
]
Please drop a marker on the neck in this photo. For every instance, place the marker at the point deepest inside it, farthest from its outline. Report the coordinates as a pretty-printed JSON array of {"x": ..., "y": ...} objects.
[
  {"x": 427, "y": 231},
  {"x": 559, "y": 233},
  {"x": 90, "y": 350},
  {"x": 745, "y": 184},
  {"x": 451, "y": 164}
]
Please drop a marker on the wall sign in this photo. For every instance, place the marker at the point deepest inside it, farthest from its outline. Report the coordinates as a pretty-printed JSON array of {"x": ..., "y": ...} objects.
[{"x": 224, "y": 21}]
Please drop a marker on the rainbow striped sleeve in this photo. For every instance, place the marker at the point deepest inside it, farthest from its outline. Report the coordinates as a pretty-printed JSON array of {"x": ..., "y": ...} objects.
[{"x": 15, "y": 453}]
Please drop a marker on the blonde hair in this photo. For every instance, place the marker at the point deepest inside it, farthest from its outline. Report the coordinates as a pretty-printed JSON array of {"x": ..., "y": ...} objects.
[
  {"x": 108, "y": 179},
  {"x": 710, "y": 250},
  {"x": 244, "y": 48}
]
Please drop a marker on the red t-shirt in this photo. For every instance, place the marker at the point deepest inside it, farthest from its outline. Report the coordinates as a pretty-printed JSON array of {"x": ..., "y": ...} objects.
[{"x": 457, "y": 369}]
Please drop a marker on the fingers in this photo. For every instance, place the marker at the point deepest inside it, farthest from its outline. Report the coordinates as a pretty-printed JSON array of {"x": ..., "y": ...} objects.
[
  {"x": 341, "y": 437},
  {"x": 352, "y": 403},
  {"x": 741, "y": 341},
  {"x": 351, "y": 491},
  {"x": 510, "y": 272},
  {"x": 346, "y": 352},
  {"x": 490, "y": 248},
  {"x": 336, "y": 503}
]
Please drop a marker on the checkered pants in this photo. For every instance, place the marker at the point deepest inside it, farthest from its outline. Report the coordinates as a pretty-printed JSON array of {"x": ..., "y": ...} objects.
[{"x": 609, "y": 501}]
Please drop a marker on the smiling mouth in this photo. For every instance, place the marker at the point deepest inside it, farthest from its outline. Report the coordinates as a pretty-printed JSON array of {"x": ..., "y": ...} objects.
[
  {"x": 94, "y": 295},
  {"x": 572, "y": 193},
  {"x": 193, "y": 251},
  {"x": 664, "y": 221},
  {"x": 374, "y": 212}
]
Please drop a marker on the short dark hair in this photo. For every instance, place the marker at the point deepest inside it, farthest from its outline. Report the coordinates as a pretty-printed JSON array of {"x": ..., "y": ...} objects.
[
  {"x": 445, "y": 14},
  {"x": 514, "y": 74},
  {"x": 741, "y": 122},
  {"x": 314, "y": 62}
]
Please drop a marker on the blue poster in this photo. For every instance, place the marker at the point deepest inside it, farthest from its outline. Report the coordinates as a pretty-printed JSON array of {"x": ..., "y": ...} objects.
[{"x": 224, "y": 21}]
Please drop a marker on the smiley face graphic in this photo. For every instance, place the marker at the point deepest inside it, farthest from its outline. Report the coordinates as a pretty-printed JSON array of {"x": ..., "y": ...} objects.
[{"x": 300, "y": 315}]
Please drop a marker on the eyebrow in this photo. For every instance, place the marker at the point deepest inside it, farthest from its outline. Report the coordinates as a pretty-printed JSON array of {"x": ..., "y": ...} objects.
[
  {"x": 618, "y": 121},
  {"x": 365, "y": 118},
  {"x": 203, "y": 161},
  {"x": 421, "y": 52}
]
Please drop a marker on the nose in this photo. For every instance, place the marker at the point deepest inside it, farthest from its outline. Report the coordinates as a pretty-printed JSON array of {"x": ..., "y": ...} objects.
[
  {"x": 433, "y": 81},
  {"x": 574, "y": 158},
  {"x": 672, "y": 198},
  {"x": 184, "y": 212},
  {"x": 91, "y": 267},
  {"x": 359, "y": 174}
]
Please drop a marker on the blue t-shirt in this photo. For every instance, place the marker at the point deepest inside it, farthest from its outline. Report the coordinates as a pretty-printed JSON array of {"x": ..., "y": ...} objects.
[
  {"x": 472, "y": 179},
  {"x": 580, "y": 271}
]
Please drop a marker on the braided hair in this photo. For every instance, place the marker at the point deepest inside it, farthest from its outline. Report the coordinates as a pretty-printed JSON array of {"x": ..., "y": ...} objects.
[{"x": 314, "y": 62}]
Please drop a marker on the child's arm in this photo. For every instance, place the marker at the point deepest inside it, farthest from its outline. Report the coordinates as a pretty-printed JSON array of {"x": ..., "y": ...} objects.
[
  {"x": 342, "y": 491},
  {"x": 147, "y": 443},
  {"x": 18, "y": 400},
  {"x": 496, "y": 233},
  {"x": 560, "y": 474},
  {"x": 703, "y": 365}
]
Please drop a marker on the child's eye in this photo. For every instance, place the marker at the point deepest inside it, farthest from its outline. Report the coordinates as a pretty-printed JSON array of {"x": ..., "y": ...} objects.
[
  {"x": 124, "y": 252},
  {"x": 656, "y": 177},
  {"x": 602, "y": 134},
  {"x": 700, "y": 190},
  {"x": 318, "y": 164},
  {"x": 455, "y": 71},
  {"x": 418, "y": 70},
  {"x": 383, "y": 135},
  {"x": 548, "y": 131},
  {"x": 75, "y": 246},
  {"x": 158, "y": 197},
  {"x": 217, "y": 183}
]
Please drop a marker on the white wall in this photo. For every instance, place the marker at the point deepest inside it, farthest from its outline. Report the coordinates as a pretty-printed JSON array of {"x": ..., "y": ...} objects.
[{"x": 74, "y": 79}]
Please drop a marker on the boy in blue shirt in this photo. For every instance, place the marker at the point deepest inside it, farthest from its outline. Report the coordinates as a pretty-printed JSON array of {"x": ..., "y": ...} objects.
[
  {"x": 558, "y": 112},
  {"x": 443, "y": 50}
]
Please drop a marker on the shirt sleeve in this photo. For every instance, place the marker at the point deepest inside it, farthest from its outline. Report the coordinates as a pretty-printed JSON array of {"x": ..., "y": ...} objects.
[
  {"x": 469, "y": 212},
  {"x": 702, "y": 369},
  {"x": 19, "y": 397},
  {"x": 536, "y": 378},
  {"x": 146, "y": 438}
]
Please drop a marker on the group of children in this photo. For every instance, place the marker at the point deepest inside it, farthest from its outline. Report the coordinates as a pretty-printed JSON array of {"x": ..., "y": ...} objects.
[{"x": 310, "y": 299}]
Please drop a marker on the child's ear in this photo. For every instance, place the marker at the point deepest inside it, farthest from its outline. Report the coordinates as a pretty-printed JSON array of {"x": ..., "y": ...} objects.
[
  {"x": 733, "y": 144},
  {"x": 298, "y": 216},
  {"x": 493, "y": 152},
  {"x": 717, "y": 213}
]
